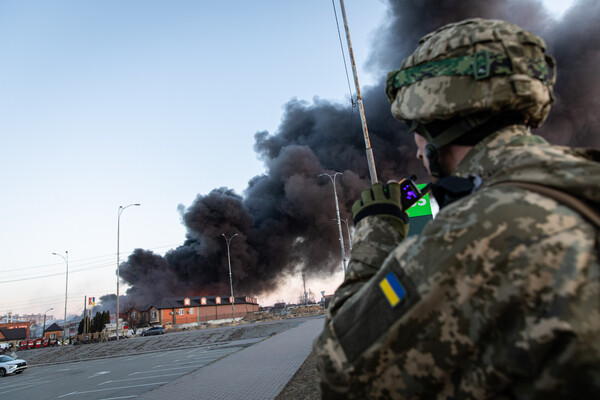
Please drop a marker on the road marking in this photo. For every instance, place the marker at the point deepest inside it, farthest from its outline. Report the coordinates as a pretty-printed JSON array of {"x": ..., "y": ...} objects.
[
  {"x": 97, "y": 374},
  {"x": 203, "y": 349},
  {"x": 196, "y": 361},
  {"x": 214, "y": 354},
  {"x": 117, "y": 388},
  {"x": 118, "y": 398},
  {"x": 143, "y": 377},
  {"x": 21, "y": 386},
  {"x": 168, "y": 369}
]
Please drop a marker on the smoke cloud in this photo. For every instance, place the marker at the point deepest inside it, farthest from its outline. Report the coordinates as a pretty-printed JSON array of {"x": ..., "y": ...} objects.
[{"x": 283, "y": 220}]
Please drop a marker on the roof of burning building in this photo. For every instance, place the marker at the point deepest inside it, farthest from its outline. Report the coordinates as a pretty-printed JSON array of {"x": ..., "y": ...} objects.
[{"x": 200, "y": 301}]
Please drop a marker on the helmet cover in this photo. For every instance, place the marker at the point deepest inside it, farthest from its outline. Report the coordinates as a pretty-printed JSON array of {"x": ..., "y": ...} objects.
[{"x": 474, "y": 66}]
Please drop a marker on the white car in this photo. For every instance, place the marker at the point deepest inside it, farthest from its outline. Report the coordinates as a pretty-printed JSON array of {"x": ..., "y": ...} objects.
[{"x": 9, "y": 365}]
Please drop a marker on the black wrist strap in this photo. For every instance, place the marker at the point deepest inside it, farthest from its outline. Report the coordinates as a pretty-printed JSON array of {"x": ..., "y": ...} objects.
[{"x": 381, "y": 210}]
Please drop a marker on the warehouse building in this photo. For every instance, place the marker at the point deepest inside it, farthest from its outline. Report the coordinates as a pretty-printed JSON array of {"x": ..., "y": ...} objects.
[{"x": 199, "y": 310}]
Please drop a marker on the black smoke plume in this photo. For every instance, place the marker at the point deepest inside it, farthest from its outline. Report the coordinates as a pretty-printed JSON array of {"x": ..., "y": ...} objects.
[{"x": 283, "y": 220}]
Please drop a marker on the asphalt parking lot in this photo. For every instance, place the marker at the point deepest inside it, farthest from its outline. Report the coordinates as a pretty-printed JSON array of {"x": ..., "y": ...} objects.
[
  {"x": 183, "y": 365},
  {"x": 168, "y": 341},
  {"x": 109, "y": 378}
]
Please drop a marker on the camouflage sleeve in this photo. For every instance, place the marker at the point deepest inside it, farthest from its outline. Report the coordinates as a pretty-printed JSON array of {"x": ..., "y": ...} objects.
[
  {"x": 373, "y": 241},
  {"x": 498, "y": 298}
]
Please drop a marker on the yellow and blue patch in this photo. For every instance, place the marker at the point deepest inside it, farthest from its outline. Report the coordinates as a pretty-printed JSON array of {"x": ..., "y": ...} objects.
[{"x": 392, "y": 289}]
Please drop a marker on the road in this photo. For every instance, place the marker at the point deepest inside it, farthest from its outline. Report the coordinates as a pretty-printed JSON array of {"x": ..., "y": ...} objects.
[
  {"x": 128, "y": 368},
  {"x": 110, "y": 378}
]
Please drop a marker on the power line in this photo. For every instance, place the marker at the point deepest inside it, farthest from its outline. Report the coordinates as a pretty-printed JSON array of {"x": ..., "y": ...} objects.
[
  {"x": 50, "y": 301},
  {"x": 108, "y": 261},
  {"x": 42, "y": 300},
  {"x": 55, "y": 274},
  {"x": 337, "y": 23}
]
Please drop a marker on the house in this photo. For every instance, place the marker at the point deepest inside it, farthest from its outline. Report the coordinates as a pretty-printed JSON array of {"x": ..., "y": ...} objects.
[
  {"x": 204, "y": 309},
  {"x": 150, "y": 314},
  {"x": 54, "y": 331},
  {"x": 11, "y": 336},
  {"x": 18, "y": 325},
  {"x": 134, "y": 317},
  {"x": 143, "y": 316}
]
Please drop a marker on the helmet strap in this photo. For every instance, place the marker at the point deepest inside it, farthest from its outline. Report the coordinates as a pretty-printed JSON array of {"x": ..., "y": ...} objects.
[
  {"x": 447, "y": 136},
  {"x": 431, "y": 152},
  {"x": 442, "y": 133}
]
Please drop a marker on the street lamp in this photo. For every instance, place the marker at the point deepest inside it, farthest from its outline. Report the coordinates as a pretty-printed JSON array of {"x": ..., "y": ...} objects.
[
  {"x": 121, "y": 209},
  {"x": 66, "y": 287},
  {"x": 345, "y": 221},
  {"x": 44, "y": 329},
  {"x": 337, "y": 210},
  {"x": 230, "y": 281}
]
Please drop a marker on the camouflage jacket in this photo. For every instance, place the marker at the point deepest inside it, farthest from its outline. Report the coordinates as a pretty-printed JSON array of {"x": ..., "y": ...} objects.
[{"x": 498, "y": 297}]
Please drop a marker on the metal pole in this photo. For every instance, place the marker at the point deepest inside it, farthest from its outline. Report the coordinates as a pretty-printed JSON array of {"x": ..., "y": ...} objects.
[
  {"x": 369, "y": 151},
  {"x": 44, "y": 330},
  {"x": 84, "y": 316},
  {"x": 337, "y": 210},
  {"x": 345, "y": 221},
  {"x": 66, "y": 288},
  {"x": 230, "y": 280},
  {"x": 121, "y": 209},
  {"x": 305, "y": 294}
]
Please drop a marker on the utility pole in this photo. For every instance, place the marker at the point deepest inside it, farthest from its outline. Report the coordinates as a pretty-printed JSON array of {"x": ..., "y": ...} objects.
[
  {"x": 305, "y": 293},
  {"x": 66, "y": 258},
  {"x": 230, "y": 280},
  {"x": 348, "y": 232},
  {"x": 44, "y": 329},
  {"x": 121, "y": 209},
  {"x": 337, "y": 210},
  {"x": 84, "y": 316}
]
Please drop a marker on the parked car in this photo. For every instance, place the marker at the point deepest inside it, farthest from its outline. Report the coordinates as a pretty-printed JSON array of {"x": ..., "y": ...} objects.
[
  {"x": 9, "y": 365},
  {"x": 155, "y": 330}
]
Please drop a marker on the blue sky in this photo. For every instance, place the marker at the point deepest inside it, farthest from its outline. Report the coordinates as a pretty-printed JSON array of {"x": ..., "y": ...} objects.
[{"x": 111, "y": 103}]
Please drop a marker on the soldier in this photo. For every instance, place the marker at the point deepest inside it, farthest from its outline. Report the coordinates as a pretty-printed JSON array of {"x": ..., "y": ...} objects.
[{"x": 499, "y": 296}]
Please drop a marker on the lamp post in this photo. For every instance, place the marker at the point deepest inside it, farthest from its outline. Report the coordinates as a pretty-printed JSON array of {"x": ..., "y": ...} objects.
[
  {"x": 44, "y": 329},
  {"x": 66, "y": 258},
  {"x": 230, "y": 281},
  {"x": 337, "y": 210},
  {"x": 345, "y": 221},
  {"x": 121, "y": 209}
]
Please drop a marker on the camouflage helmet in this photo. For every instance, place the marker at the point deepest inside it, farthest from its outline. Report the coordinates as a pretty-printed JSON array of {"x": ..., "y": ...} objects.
[{"x": 472, "y": 67}]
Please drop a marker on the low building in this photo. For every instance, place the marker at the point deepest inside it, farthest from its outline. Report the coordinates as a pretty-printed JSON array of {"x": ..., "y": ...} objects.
[
  {"x": 11, "y": 337},
  {"x": 18, "y": 325},
  {"x": 204, "y": 309},
  {"x": 54, "y": 331},
  {"x": 134, "y": 317},
  {"x": 143, "y": 316}
]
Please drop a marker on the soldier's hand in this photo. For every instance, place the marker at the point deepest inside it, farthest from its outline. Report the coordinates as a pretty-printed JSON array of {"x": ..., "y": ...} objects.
[{"x": 383, "y": 201}]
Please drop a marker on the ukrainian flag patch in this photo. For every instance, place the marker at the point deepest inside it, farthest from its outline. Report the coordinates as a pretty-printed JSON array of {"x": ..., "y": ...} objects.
[{"x": 392, "y": 289}]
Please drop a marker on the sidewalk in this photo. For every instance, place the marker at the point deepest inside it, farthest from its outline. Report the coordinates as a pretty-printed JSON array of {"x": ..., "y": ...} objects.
[{"x": 260, "y": 371}]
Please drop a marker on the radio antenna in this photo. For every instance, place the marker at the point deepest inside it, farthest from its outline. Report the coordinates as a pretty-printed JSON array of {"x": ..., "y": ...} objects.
[{"x": 370, "y": 159}]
